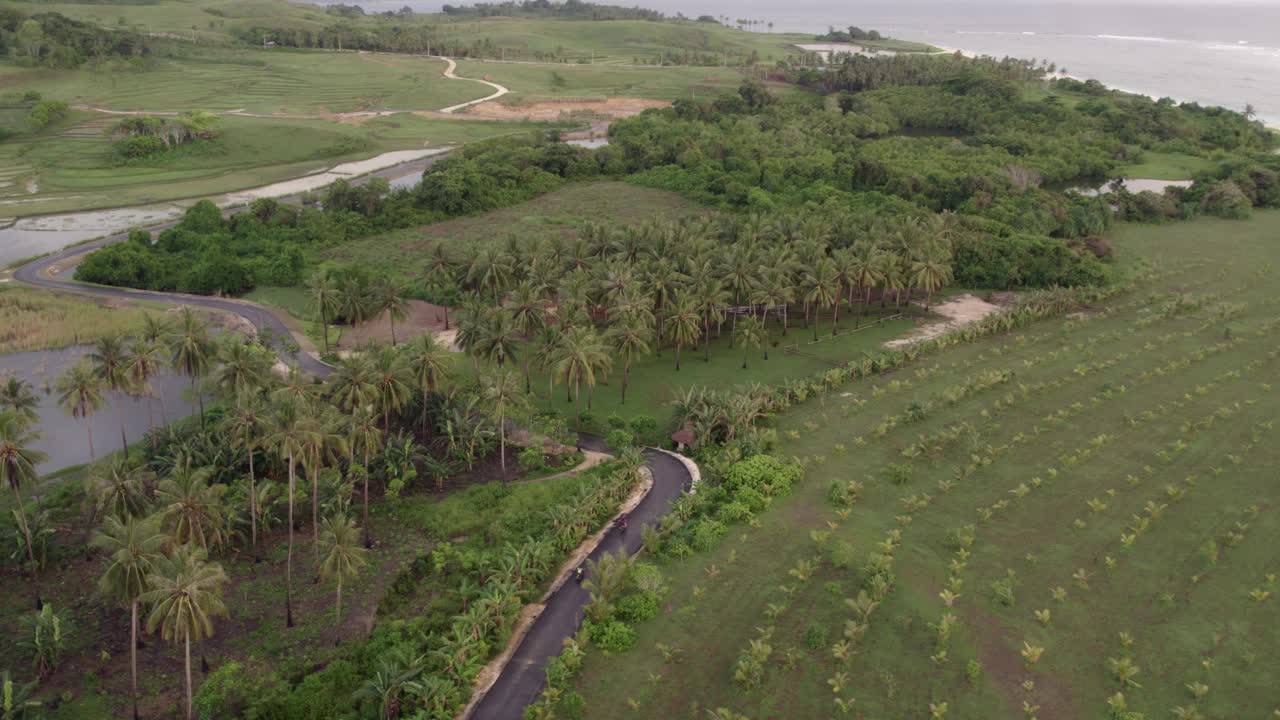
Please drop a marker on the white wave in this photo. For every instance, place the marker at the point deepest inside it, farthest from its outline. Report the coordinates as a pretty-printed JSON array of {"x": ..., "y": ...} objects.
[{"x": 1135, "y": 38}]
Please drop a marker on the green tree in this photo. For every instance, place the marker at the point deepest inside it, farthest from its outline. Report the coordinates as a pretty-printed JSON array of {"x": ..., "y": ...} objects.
[
  {"x": 822, "y": 288},
  {"x": 110, "y": 360},
  {"x": 930, "y": 270},
  {"x": 191, "y": 352},
  {"x": 389, "y": 298},
  {"x": 364, "y": 437},
  {"x": 582, "y": 355},
  {"x": 288, "y": 434},
  {"x": 15, "y": 699},
  {"x": 133, "y": 546},
  {"x": 342, "y": 556},
  {"x": 18, "y": 461},
  {"x": 684, "y": 321},
  {"x": 353, "y": 301},
  {"x": 430, "y": 362},
  {"x": 324, "y": 443},
  {"x": 118, "y": 488},
  {"x": 46, "y": 634},
  {"x": 528, "y": 313},
  {"x": 243, "y": 368},
  {"x": 193, "y": 507},
  {"x": 325, "y": 299},
  {"x": 245, "y": 422},
  {"x": 502, "y": 394},
  {"x": 391, "y": 383},
  {"x": 80, "y": 393},
  {"x": 17, "y": 397},
  {"x": 185, "y": 596},
  {"x": 752, "y": 334},
  {"x": 629, "y": 337},
  {"x": 146, "y": 358}
]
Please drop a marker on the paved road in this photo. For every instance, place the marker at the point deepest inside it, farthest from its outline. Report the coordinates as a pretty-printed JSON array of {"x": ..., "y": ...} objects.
[
  {"x": 524, "y": 677},
  {"x": 36, "y": 273}
]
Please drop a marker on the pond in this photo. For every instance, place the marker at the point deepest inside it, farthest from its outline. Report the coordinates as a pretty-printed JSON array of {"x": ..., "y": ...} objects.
[
  {"x": 1133, "y": 185},
  {"x": 66, "y": 439}
]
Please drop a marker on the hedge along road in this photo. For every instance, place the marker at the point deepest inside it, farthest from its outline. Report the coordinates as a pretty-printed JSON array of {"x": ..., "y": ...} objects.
[
  {"x": 37, "y": 273},
  {"x": 525, "y": 674}
]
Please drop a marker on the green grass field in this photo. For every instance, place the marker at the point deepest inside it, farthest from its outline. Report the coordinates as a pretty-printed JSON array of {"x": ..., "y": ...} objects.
[
  {"x": 549, "y": 81},
  {"x": 1167, "y": 166},
  {"x": 72, "y": 167},
  {"x": 258, "y": 81},
  {"x": 1100, "y": 487}
]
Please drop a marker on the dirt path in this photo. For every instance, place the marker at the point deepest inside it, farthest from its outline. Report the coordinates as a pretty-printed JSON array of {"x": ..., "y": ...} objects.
[
  {"x": 499, "y": 90},
  {"x": 958, "y": 311}
]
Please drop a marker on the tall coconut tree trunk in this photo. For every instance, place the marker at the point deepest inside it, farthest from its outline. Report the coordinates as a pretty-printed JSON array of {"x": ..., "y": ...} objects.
[
  {"x": 288, "y": 587},
  {"x": 164, "y": 411},
  {"x": 368, "y": 540},
  {"x": 392, "y": 318},
  {"x": 88, "y": 425},
  {"x": 835, "y": 317},
  {"x": 706, "y": 338},
  {"x": 324, "y": 327},
  {"x": 187, "y": 642},
  {"x": 26, "y": 530},
  {"x": 151, "y": 421},
  {"x": 626, "y": 375},
  {"x": 253, "y": 503},
  {"x": 678, "y": 344},
  {"x": 133, "y": 654},
  {"x": 337, "y": 614},
  {"x": 315, "y": 511},
  {"x": 124, "y": 441},
  {"x": 502, "y": 444}
]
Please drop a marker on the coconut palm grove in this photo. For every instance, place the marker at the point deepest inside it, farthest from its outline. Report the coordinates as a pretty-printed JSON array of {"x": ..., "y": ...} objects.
[{"x": 887, "y": 383}]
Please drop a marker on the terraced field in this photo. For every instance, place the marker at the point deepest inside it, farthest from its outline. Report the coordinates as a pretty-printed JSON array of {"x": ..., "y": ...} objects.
[
  {"x": 1073, "y": 520},
  {"x": 257, "y": 81}
]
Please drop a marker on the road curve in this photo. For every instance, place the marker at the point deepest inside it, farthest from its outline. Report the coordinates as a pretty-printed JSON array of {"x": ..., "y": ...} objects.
[
  {"x": 525, "y": 675},
  {"x": 37, "y": 273},
  {"x": 499, "y": 90}
]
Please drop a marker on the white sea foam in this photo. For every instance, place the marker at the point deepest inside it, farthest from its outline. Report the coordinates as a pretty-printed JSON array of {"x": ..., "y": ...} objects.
[{"x": 1136, "y": 38}]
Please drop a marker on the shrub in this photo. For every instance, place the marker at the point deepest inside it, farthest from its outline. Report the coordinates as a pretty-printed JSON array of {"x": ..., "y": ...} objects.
[
  {"x": 619, "y": 439},
  {"x": 612, "y": 635},
  {"x": 815, "y": 636},
  {"x": 638, "y": 607},
  {"x": 765, "y": 473},
  {"x": 532, "y": 459}
]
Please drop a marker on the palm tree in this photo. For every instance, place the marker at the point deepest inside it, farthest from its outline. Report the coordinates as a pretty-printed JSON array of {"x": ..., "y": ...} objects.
[
  {"x": 582, "y": 354},
  {"x": 501, "y": 392},
  {"x": 110, "y": 359},
  {"x": 118, "y": 489},
  {"x": 245, "y": 422},
  {"x": 365, "y": 438},
  {"x": 323, "y": 444},
  {"x": 711, "y": 298},
  {"x": 391, "y": 383},
  {"x": 243, "y": 368},
  {"x": 741, "y": 268},
  {"x": 342, "y": 556},
  {"x": 191, "y": 353},
  {"x": 440, "y": 275},
  {"x": 133, "y": 546},
  {"x": 185, "y": 594},
  {"x": 822, "y": 287},
  {"x": 352, "y": 384},
  {"x": 684, "y": 320},
  {"x": 289, "y": 434},
  {"x": 80, "y": 393},
  {"x": 931, "y": 270},
  {"x": 752, "y": 334},
  {"x": 491, "y": 270},
  {"x": 775, "y": 291},
  {"x": 529, "y": 315},
  {"x": 630, "y": 338},
  {"x": 353, "y": 301},
  {"x": 429, "y": 363},
  {"x": 192, "y": 506},
  {"x": 17, "y": 397},
  {"x": 322, "y": 290},
  {"x": 18, "y": 467},
  {"x": 146, "y": 357},
  {"x": 499, "y": 337},
  {"x": 389, "y": 298}
]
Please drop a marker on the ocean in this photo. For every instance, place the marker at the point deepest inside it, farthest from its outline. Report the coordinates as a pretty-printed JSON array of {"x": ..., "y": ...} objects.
[{"x": 1211, "y": 53}]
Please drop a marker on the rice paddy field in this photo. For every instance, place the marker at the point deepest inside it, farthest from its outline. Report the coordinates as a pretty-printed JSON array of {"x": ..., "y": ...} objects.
[{"x": 1073, "y": 520}]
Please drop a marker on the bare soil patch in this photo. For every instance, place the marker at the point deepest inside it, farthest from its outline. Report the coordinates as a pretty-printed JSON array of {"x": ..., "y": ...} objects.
[
  {"x": 958, "y": 312},
  {"x": 423, "y": 316},
  {"x": 610, "y": 108}
]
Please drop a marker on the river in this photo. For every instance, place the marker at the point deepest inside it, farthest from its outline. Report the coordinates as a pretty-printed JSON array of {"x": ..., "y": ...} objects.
[{"x": 66, "y": 439}]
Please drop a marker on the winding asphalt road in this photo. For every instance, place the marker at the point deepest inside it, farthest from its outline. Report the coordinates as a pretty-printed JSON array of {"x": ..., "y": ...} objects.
[
  {"x": 525, "y": 675},
  {"x": 37, "y": 273}
]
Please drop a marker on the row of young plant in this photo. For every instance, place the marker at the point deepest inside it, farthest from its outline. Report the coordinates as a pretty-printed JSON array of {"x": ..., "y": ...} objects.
[
  {"x": 697, "y": 524},
  {"x": 1003, "y": 589}
]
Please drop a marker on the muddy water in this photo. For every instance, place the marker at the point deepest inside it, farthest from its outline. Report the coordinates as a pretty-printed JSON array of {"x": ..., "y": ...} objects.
[
  {"x": 66, "y": 439},
  {"x": 1133, "y": 185}
]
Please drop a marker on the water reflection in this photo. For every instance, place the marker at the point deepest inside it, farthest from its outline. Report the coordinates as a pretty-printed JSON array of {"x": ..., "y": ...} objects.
[{"x": 66, "y": 439}]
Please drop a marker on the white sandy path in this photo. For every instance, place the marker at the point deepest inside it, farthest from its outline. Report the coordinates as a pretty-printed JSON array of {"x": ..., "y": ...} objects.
[
  {"x": 337, "y": 172},
  {"x": 958, "y": 311},
  {"x": 499, "y": 90}
]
